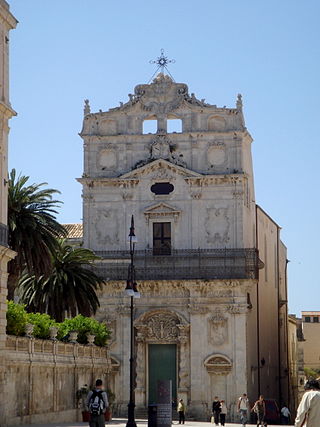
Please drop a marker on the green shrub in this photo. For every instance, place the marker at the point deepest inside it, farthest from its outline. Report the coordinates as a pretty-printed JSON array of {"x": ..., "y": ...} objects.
[
  {"x": 42, "y": 323},
  {"x": 17, "y": 318},
  {"x": 84, "y": 325}
]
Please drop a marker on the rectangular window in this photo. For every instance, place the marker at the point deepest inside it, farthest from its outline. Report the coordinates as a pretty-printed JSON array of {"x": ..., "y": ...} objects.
[
  {"x": 316, "y": 319},
  {"x": 307, "y": 319},
  {"x": 161, "y": 238}
]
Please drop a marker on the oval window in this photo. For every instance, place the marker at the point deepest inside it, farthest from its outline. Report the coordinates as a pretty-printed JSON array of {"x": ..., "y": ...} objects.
[{"x": 162, "y": 188}]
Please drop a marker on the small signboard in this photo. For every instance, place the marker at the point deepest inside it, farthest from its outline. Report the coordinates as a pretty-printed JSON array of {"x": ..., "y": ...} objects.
[{"x": 164, "y": 403}]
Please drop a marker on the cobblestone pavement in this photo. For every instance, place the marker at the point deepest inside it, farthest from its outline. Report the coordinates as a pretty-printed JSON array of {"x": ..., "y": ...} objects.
[{"x": 120, "y": 422}]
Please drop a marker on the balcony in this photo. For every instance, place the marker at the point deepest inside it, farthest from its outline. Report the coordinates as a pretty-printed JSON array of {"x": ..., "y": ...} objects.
[
  {"x": 181, "y": 264},
  {"x": 3, "y": 235}
]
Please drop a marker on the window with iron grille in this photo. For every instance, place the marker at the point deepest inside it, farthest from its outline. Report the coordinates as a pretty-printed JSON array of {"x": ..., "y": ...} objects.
[{"x": 161, "y": 238}]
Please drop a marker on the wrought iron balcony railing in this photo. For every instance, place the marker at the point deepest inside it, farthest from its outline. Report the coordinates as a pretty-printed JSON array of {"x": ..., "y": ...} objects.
[
  {"x": 181, "y": 264},
  {"x": 3, "y": 235}
]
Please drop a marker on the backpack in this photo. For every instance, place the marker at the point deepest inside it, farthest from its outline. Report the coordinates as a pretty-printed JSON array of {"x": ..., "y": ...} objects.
[{"x": 96, "y": 403}]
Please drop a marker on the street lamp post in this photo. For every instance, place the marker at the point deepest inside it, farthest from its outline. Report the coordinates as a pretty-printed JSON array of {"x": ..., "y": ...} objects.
[{"x": 132, "y": 291}]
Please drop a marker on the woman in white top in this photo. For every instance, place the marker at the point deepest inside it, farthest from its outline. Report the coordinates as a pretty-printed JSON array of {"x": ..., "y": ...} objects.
[{"x": 223, "y": 412}]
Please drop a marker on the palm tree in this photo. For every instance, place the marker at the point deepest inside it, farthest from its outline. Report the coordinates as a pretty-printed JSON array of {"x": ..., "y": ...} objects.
[
  {"x": 33, "y": 228},
  {"x": 70, "y": 288}
]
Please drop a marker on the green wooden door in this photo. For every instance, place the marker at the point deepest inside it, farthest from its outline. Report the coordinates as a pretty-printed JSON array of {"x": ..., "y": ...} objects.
[{"x": 162, "y": 366}]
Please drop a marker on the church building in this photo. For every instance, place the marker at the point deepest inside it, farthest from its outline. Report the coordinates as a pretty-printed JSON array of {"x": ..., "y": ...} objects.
[{"x": 209, "y": 263}]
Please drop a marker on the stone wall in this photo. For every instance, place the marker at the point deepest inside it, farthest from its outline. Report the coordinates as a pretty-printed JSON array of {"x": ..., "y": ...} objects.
[{"x": 39, "y": 379}]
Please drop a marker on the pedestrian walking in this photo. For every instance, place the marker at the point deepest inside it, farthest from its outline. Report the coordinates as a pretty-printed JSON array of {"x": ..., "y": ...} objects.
[
  {"x": 260, "y": 409},
  {"x": 215, "y": 411},
  {"x": 181, "y": 411},
  {"x": 243, "y": 408},
  {"x": 223, "y": 412},
  {"x": 96, "y": 404},
  {"x": 285, "y": 415},
  {"x": 308, "y": 413}
]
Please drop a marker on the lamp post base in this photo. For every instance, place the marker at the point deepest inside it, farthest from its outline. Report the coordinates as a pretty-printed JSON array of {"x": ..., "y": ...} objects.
[{"x": 131, "y": 421}]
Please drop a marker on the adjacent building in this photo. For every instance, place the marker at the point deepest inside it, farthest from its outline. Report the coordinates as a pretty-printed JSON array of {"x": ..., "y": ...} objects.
[
  {"x": 311, "y": 333},
  {"x": 7, "y": 23},
  {"x": 209, "y": 262}
]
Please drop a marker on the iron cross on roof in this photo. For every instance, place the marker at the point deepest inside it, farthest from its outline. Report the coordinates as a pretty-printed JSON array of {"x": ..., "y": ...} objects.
[{"x": 162, "y": 61}]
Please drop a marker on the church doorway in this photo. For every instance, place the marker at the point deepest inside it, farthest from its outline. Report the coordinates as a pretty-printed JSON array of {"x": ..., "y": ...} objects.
[{"x": 162, "y": 365}]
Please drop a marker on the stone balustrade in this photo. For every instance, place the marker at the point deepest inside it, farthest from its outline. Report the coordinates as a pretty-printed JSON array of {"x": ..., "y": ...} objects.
[{"x": 39, "y": 378}]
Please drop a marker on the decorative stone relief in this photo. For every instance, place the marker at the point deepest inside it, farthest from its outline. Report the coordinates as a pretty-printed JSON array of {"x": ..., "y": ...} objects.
[
  {"x": 237, "y": 308},
  {"x": 158, "y": 289},
  {"x": 183, "y": 360},
  {"x": 217, "y": 225},
  {"x": 140, "y": 361},
  {"x": 198, "y": 308},
  {"x": 127, "y": 195},
  {"x": 162, "y": 174},
  {"x": 162, "y": 95},
  {"x": 207, "y": 290},
  {"x": 216, "y": 153},
  {"x": 163, "y": 327},
  {"x": 218, "y": 328},
  {"x": 160, "y": 148},
  {"x": 107, "y": 227},
  {"x": 107, "y": 159},
  {"x": 218, "y": 364}
]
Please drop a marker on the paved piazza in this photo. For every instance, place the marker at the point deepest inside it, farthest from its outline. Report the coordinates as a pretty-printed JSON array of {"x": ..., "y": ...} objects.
[{"x": 120, "y": 422}]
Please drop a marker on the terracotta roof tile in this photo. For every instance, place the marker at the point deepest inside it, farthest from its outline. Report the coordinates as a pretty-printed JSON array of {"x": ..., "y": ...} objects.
[{"x": 75, "y": 231}]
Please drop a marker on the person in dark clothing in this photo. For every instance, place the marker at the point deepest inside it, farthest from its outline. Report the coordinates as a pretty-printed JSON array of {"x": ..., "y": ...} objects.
[
  {"x": 216, "y": 409},
  {"x": 97, "y": 403},
  {"x": 260, "y": 409}
]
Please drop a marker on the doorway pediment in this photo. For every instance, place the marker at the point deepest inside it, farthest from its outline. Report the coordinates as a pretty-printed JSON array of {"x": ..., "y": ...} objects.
[{"x": 161, "y": 210}]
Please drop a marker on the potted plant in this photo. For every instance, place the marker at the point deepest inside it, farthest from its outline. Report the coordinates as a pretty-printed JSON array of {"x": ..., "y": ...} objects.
[
  {"x": 81, "y": 396},
  {"x": 111, "y": 399}
]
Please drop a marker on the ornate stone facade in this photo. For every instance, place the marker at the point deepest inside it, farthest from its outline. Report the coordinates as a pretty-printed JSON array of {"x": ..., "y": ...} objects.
[{"x": 192, "y": 196}]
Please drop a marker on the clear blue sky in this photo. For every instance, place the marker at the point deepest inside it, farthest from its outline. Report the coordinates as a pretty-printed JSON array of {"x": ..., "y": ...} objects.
[{"x": 65, "y": 51}]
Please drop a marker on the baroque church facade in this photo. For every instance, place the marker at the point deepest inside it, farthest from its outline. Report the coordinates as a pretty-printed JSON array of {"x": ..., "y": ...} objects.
[{"x": 209, "y": 262}]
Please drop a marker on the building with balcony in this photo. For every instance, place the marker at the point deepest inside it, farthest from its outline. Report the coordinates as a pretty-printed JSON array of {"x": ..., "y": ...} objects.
[{"x": 209, "y": 262}]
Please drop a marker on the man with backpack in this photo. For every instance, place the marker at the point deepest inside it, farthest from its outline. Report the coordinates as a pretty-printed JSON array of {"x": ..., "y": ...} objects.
[{"x": 97, "y": 403}]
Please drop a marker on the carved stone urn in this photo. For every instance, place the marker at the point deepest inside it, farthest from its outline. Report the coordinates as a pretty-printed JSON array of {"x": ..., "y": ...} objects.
[
  {"x": 29, "y": 330},
  {"x": 90, "y": 338},
  {"x": 73, "y": 335},
  {"x": 53, "y": 330}
]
